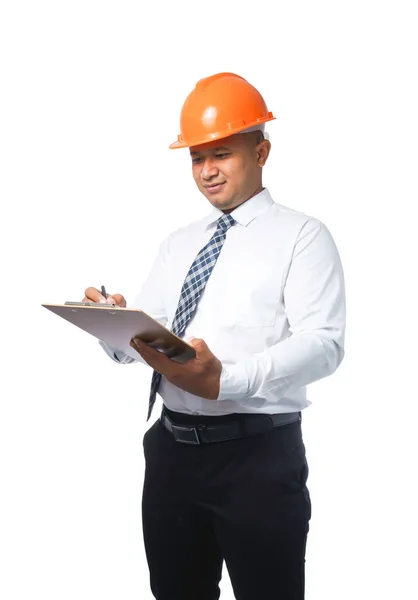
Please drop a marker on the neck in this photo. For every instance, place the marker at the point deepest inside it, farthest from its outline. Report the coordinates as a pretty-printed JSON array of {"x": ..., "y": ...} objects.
[{"x": 259, "y": 189}]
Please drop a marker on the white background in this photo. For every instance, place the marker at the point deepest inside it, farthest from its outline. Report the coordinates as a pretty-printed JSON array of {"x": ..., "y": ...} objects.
[{"x": 90, "y": 99}]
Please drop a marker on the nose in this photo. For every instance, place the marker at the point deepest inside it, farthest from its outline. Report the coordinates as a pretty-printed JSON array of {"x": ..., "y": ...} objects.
[{"x": 209, "y": 170}]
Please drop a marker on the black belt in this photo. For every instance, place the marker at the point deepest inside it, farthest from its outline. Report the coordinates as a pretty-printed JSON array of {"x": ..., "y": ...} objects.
[{"x": 237, "y": 426}]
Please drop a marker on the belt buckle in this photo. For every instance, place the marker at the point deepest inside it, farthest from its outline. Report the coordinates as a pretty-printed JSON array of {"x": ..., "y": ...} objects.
[{"x": 178, "y": 430}]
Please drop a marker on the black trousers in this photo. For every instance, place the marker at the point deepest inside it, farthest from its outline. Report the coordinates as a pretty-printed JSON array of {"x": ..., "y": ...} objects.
[{"x": 242, "y": 501}]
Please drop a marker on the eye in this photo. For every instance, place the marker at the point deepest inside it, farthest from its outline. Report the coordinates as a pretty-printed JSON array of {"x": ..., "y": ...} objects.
[
  {"x": 196, "y": 160},
  {"x": 222, "y": 155}
]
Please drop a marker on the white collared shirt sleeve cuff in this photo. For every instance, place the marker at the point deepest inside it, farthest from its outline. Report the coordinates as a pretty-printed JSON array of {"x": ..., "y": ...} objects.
[
  {"x": 234, "y": 382},
  {"x": 118, "y": 355}
]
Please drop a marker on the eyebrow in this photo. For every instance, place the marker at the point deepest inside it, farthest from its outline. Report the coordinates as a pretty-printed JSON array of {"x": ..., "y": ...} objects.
[{"x": 212, "y": 149}]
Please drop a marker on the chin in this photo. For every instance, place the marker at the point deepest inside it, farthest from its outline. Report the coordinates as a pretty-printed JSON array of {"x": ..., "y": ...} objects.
[
  {"x": 222, "y": 200},
  {"x": 222, "y": 204}
]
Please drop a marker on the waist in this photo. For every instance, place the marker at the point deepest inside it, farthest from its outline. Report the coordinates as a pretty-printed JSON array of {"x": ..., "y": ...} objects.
[
  {"x": 180, "y": 417},
  {"x": 201, "y": 429}
]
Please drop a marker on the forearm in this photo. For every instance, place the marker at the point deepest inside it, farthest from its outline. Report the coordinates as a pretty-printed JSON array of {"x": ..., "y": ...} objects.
[{"x": 269, "y": 375}]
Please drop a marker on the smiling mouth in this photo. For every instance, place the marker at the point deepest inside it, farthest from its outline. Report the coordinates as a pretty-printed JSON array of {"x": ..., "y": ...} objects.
[{"x": 214, "y": 187}]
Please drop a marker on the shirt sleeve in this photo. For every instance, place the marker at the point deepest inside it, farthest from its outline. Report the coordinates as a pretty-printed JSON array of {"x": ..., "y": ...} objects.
[
  {"x": 314, "y": 300},
  {"x": 150, "y": 299},
  {"x": 118, "y": 355}
]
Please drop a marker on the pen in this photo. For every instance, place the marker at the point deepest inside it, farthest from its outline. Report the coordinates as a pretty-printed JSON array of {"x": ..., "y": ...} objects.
[{"x": 104, "y": 292}]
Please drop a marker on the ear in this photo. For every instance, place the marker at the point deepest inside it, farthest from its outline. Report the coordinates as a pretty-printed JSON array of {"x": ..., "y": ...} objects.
[{"x": 263, "y": 151}]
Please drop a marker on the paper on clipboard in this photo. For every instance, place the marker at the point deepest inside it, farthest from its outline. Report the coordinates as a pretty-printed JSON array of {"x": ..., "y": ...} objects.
[{"x": 117, "y": 326}]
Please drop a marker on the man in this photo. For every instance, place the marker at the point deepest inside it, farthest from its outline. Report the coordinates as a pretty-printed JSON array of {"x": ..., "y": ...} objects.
[{"x": 258, "y": 290}]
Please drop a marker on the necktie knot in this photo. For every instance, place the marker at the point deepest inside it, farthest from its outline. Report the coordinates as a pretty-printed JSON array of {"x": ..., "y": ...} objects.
[{"x": 225, "y": 222}]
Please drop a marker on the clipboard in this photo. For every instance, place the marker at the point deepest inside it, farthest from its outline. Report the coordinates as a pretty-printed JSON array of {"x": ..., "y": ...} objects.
[{"x": 117, "y": 326}]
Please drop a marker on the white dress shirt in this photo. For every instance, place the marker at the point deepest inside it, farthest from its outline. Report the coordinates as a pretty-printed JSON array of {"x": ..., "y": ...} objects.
[{"x": 272, "y": 311}]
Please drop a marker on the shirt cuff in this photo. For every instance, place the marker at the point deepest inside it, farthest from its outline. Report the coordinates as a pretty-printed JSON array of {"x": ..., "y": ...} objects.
[
  {"x": 234, "y": 383},
  {"x": 117, "y": 355}
]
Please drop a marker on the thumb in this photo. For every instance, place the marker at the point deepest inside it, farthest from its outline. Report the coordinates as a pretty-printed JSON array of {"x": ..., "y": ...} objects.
[
  {"x": 203, "y": 352},
  {"x": 197, "y": 343}
]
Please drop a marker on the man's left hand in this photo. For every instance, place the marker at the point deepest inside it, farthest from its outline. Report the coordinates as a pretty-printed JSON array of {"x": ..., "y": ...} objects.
[{"x": 199, "y": 376}]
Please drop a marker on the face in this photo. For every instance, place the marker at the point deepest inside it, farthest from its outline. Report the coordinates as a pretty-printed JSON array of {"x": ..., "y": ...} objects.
[{"x": 228, "y": 171}]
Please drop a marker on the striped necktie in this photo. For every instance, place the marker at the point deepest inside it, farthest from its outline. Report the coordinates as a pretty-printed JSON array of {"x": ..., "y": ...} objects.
[{"x": 192, "y": 289}]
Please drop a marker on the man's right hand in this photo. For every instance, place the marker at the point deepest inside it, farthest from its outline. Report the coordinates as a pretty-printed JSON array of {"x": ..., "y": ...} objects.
[{"x": 94, "y": 295}]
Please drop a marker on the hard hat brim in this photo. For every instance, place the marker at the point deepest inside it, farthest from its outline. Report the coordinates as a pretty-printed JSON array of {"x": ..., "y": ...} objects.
[{"x": 211, "y": 137}]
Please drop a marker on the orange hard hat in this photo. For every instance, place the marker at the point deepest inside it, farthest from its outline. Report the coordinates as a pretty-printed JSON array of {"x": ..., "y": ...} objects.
[{"x": 219, "y": 106}]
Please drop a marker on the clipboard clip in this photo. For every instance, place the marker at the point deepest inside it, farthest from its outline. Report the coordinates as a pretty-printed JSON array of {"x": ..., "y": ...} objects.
[{"x": 96, "y": 304}]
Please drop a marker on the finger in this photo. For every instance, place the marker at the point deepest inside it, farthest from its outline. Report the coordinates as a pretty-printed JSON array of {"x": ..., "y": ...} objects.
[
  {"x": 141, "y": 346},
  {"x": 142, "y": 355},
  {"x": 137, "y": 343},
  {"x": 119, "y": 300},
  {"x": 146, "y": 346},
  {"x": 154, "y": 357},
  {"x": 193, "y": 341},
  {"x": 145, "y": 355},
  {"x": 93, "y": 295},
  {"x": 201, "y": 349}
]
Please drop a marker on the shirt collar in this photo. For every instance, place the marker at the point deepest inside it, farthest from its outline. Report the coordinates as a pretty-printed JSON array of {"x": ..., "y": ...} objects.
[{"x": 245, "y": 212}]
